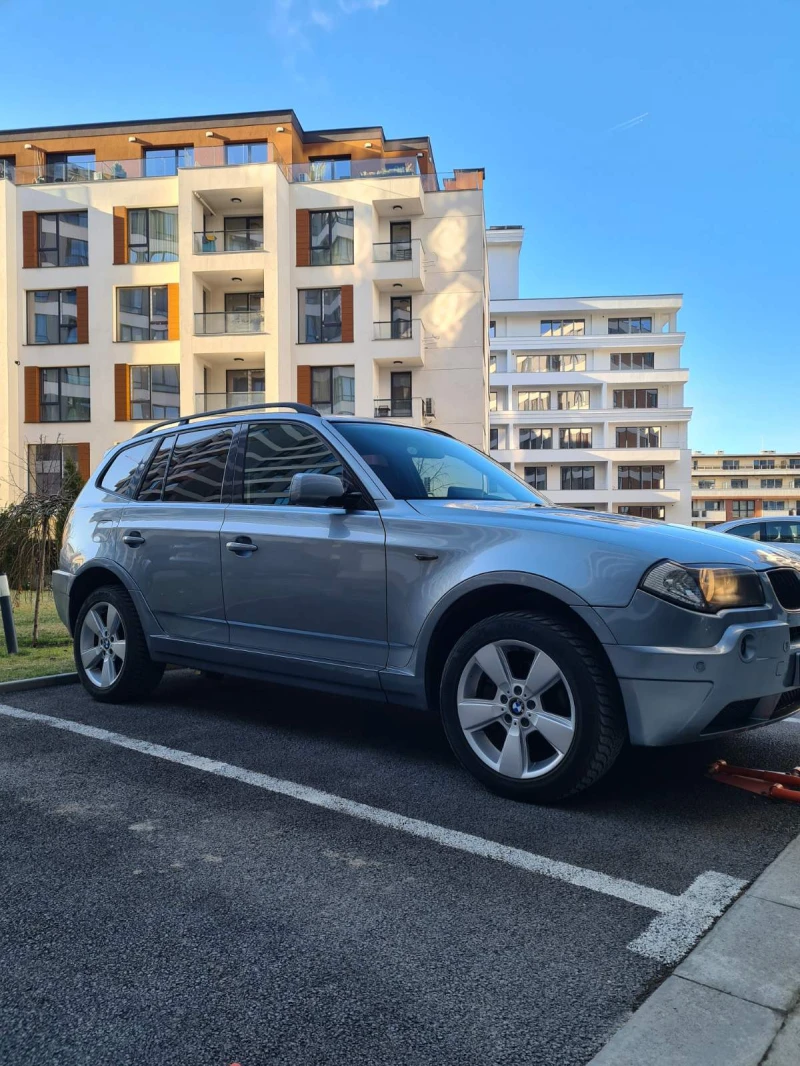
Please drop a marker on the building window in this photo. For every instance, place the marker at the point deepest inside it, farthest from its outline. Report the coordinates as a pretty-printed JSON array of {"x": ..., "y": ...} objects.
[
  {"x": 739, "y": 482},
  {"x": 574, "y": 400},
  {"x": 773, "y": 505},
  {"x": 48, "y": 465},
  {"x": 165, "y": 162},
  {"x": 492, "y": 363},
  {"x": 244, "y": 233},
  {"x": 333, "y": 389},
  {"x": 533, "y": 401},
  {"x": 142, "y": 313},
  {"x": 152, "y": 235},
  {"x": 772, "y": 483},
  {"x": 493, "y": 400},
  {"x": 244, "y": 313},
  {"x": 63, "y": 239},
  {"x": 796, "y": 483},
  {"x": 320, "y": 312},
  {"x": 401, "y": 393},
  {"x": 562, "y": 327},
  {"x": 640, "y": 477},
  {"x": 53, "y": 316},
  {"x": 536, "y": 477},
  {"x": 492, "y": 328},
  {"x": 498, "y": 437},
  {"x": 247, "y": 152},
  {"x": 69, "y": 166},
  {"x": 635, "y": 398},
  {"x": 577, "y": 478},
  {"x": 549, "y": 364},
  {"x": 743, "y": 508},
  {"x": 643, "y": 512},
  {"x": 275, "y": 452},
  {"x": 763, "y": 464},
  {"x": 630, "y": 325},
  {"x": 324, "y": 168},
  {"x": 638, "y": 436},
  {"x": 331, "y": 237},
  {"x": 155, "y": 391},
  {"x": 64, "y": 394},
  {"x": 730, "y": 464},
  {"x": 7, "y": 167},
  {"x": 706, "y": 484},
  {"x": 794, "y": 464},
  {"x": 575, "y": 438},
  {"x": 632, "y": 360},
  {"x": 536, "y": 438}
]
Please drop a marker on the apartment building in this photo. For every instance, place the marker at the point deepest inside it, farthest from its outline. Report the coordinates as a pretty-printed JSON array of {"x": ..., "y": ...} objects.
[
  {"x": 159, "y": 268},
  {"x": 586, "y": 394},
  {"x": 744, "y": 485}
]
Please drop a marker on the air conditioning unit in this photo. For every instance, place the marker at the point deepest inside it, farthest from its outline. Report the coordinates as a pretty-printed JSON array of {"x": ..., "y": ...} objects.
[{"x": 428, "y": 409}]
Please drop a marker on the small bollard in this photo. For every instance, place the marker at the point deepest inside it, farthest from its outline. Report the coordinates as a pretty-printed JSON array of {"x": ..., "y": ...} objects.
[{"x": 8, "y": 616}]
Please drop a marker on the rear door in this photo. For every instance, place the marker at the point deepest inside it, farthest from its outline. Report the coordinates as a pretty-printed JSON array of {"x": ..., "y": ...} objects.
[{"x": 169, "y": 536}]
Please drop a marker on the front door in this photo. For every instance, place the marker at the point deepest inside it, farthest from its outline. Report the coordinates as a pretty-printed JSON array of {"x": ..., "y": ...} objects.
[{"x": 303, "y": 582}]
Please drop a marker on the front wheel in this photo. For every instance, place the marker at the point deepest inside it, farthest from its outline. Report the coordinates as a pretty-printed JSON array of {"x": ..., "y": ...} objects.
[{"x": 530, "y": 708}]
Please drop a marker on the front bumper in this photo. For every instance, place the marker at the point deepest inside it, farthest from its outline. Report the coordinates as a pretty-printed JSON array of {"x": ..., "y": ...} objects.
[
  {"x": 61, "y": 582},
  {"x": 676, "y": 694}
]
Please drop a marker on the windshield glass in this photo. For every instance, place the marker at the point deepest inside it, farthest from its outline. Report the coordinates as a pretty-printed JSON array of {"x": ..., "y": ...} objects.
[{"x": 416, "y": 464}]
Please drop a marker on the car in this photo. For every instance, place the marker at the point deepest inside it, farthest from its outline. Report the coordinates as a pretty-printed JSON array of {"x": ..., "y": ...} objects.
[
  {"x": 782, "y": 531},
  {"x": 376, "y": 559}
]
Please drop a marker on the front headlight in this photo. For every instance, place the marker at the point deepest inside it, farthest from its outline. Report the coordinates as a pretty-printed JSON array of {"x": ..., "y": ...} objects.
[{"x": 704, "y": 588}]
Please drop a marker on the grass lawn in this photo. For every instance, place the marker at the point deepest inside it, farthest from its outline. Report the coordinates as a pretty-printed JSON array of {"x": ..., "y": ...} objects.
[{"x": 54, "y": 654}]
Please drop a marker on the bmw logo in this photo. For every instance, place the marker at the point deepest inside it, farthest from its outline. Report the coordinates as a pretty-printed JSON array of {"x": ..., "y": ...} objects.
[{"x": 516, "y": 706}]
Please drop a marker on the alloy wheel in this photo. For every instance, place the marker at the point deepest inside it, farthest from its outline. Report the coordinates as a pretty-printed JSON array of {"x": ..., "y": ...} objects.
[{"x": 102, "y": 644}]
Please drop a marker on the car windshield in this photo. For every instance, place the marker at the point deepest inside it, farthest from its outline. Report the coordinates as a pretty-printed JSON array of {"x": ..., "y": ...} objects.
[{"x": 417, "y": 464}]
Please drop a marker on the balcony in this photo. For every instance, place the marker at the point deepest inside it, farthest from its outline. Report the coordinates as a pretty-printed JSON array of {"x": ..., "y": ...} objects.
[
  {"x": 216, "y": 323},
  {"x": 585, "y": 342},
  {"x": 215, "y": 242},
  {"x": 399, "y": 262},
  {"x": 624, "y": 416},
  {"x": 205, "y": 402},
  {"x": 399, "y": 342},
  {"x": 416, "y": 411}
]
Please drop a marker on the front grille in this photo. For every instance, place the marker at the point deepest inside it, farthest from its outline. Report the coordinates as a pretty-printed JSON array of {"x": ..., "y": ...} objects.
[{"x": 786, "y": 586}]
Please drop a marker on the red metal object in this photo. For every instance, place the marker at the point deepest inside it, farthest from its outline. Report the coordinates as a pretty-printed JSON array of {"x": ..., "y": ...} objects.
[{"x": 768, "y": 783}]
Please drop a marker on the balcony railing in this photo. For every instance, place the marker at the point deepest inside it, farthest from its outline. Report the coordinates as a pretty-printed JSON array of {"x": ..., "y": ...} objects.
[
  {"x": 216, "y": 401},
  {"x": 208, "y": 242},
  {"x": 414, "y": 407},
  {"x": 397, "y": 330},
  {"x": 393, "y": 251},
  {"x": 213, "y": 323}
]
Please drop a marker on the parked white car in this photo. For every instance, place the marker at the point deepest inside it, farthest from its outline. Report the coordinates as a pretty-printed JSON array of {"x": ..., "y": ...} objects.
[{"x": 783, "y": 531}]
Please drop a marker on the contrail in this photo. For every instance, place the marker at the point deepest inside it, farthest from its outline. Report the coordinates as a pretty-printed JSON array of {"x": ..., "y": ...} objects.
[{"x": 629, "y": 124}]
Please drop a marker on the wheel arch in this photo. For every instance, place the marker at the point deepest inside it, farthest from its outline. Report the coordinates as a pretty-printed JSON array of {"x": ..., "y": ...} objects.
[{"x": 93, "y": 576}]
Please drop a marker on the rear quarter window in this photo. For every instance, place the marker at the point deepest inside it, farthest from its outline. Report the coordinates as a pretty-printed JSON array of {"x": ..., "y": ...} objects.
[{"x": 122, "y": 474}]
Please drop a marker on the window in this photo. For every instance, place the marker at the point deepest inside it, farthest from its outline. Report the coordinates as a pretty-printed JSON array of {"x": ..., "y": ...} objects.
[
  {"x": 574, "y": 400},
  {"x": 163, "y": 162},
  {"x": 782, "y": 532},
  {"x": 752, "y": 532},
  {"x": 244, "y": 233},
  {"x": 328, "y": 168},
  {"x": 772, "y": 483},
  {"x": 63, "y": 239},
  {"x": 142, "y": 313},
  {"x": 276, "y": 451},
  {"x": 638, "y": 436},
  {"x": 763, "y": 464},
  {"x": 48, "y": 465},
  {"x": 533, "y": 401},
  {"x": 53, "y": 316},
  {"x": 320, "y": 313},
  {"x": 562, "y": 327},
  {"x": 400, "y": 317},
  {"x": 153, "y": 481},
  {"x": 401, "y": 393},
  {"x": 536, "y": 477},
  {"x": 123, "y": 473},
  {"x": 743, "y": 508},
  {"x": 69, "y": 166},
  {"x": 630, "y": 325},
  {"x": 492, "y": 328},
  {"x": 7, "y": 167},
  {"x": 773, "y": 505},
  {"x": 632, "y": 360},
  {"x": 643, "y": 512},
  {"x": 498, "y": 437},
  {"x": 493, "y": 400},
  {"x": 197, "y": 466},
  {"x": 155, "y": 391},
  {"x": 640, "y": 477},
  {"x": 153, "y": 235},
  {"x": 635, "y": 398},
  {"x": 64, "y": 394},
  {"x": 739, "y": 482},
  {"x": 248, "y": 152},
  {"x": 333, "y": 389},
  {"x": 492, "y": 363},
  {"x": 796, "y": 483},
  {"x": 244, "y": 312},
  {"x": 575, "y": 438},
  {"x": 706, "y": 484},
  {"x": 730, "y": 464},
  {"x": 551, "y": 364},
  {"x": 577, "y": 478},
  {"x": 331, "y": 237},
  {"x": 400, "y": 241},
  {"x": 414, "y": 464},
  {"x": 794, "y": 464},
  {"x": 536, "y": 439}
]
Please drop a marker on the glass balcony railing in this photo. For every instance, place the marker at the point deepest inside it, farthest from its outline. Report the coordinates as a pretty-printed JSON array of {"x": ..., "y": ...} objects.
[
  {"x": 214, "y": 323},
  {"x": 397, "y": 330},
  {"x": 217, "y": 401},
  {"x": 394, "y": 251},
  {"x": 211, "y": 241},
  {"x": 414, "y": 407}
]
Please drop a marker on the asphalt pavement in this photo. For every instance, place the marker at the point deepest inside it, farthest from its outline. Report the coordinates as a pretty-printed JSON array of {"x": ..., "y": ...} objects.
[{"x": 152, "y": 912}]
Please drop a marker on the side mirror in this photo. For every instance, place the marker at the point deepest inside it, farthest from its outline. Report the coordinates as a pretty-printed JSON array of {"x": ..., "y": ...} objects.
[{"x": 317, "y": 490}]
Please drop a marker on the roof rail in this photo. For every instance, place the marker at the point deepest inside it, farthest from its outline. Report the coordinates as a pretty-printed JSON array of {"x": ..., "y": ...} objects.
[{"x": 301, "y": 408}]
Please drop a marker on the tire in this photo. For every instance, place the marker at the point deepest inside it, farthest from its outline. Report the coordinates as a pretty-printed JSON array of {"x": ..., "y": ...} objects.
[
  {"x": 111, "y": 654},
  {"x": 552, "y": 726}
]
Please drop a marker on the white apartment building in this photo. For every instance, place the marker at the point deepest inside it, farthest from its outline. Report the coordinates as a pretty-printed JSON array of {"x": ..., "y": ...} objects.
[
  {"x": 756, "y": 485},
  {"x": 167, "y": 267},
  {"x": 586, "y": 394}
]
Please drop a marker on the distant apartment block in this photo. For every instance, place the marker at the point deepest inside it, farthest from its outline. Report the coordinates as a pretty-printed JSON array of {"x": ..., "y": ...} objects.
[
  {"x": 160, "y": 268},
  {"x": 586, "y": 394},
  {"x": 744, "y": 485}
]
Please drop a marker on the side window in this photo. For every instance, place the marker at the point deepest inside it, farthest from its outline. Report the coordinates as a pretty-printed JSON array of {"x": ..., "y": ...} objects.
[
  {"x": 153, "y": 481},
  {"x": 783, "y": 532},
  {"x": 752, "y": 531},
  {"x": 123, "y": 473},
  {"x": 275, "y": 452},
  {"x": 197, "y": 466}
]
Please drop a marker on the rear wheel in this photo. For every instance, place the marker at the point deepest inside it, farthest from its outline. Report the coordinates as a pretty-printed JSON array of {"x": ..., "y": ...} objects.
[
  {"x": 529, "y": 707},
  {"x": 111, "y": 654}
]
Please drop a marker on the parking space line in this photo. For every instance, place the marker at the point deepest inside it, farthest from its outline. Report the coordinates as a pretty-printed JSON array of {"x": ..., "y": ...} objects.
[{"x": 682, "y": 918}]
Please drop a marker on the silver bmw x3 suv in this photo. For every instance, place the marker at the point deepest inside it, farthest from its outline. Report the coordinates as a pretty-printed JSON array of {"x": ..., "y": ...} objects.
[{"x": 384, "y": 561}]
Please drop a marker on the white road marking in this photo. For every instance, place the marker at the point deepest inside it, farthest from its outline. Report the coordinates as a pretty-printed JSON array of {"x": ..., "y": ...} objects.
[{"x": 682, "y": 919}]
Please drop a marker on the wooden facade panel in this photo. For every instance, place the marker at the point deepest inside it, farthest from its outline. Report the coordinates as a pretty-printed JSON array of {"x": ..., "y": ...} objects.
[{"x": 347, "y": 314}]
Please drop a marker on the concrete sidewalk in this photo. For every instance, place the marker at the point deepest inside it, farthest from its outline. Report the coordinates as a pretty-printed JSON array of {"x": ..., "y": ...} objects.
[{"x": 734, "y": 1000}]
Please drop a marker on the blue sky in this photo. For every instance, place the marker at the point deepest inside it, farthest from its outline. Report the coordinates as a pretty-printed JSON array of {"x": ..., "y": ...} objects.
[{"x": 645, "y": 147}]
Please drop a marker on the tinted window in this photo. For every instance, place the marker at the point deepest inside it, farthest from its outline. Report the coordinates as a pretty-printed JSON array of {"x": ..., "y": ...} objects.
[
  {"x": 197, "y": 466},
  {"x": 123, "y": 473},
  {"x": 783, "y": 532},
  {"x": 415, "y": 464},
  {"x": 276, "y": 451},
  {"x": 153, "y": 481},
  {"x": 751, "y": 531}
]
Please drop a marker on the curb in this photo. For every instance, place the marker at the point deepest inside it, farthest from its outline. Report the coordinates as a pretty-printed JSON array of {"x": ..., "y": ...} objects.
[
  {"x": 38, "y": 682},
  {"x": 734, "y": 998}
]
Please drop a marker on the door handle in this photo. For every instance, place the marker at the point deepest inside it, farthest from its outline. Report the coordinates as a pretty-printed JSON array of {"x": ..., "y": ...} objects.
[
  {"x": 241, "y": 546},
  {"x": 133, "y": 539}
]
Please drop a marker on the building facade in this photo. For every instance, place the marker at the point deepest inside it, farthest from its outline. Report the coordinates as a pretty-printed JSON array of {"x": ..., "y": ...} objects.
[
  {"x": 586, "y": 394},
  {"x": 727, "y": 486},
  {"x": 161, "y": 268}
]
